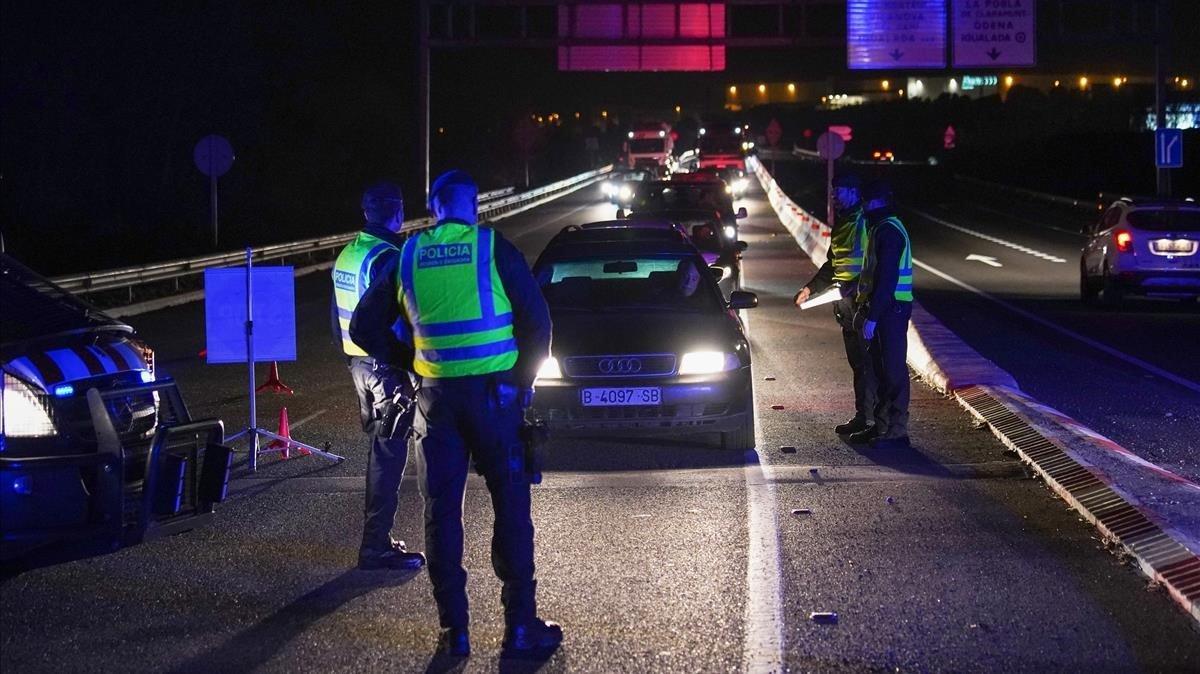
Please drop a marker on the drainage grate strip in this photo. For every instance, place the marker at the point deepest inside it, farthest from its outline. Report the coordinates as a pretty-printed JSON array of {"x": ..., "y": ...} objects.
[{"x": 1159, "y": 556}]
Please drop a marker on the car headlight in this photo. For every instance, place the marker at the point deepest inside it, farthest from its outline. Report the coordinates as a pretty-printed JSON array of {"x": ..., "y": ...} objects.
[
  {"x": 625, "y": 194},
  {"x": 25, "y": 413},
  {"x": 707, "y": 362},
  {"x": 740, "y": 185},
  {"x": 730, "y": 232},
  {"x": 607, "y": 188},
  {"x": 549, "y": 369}
]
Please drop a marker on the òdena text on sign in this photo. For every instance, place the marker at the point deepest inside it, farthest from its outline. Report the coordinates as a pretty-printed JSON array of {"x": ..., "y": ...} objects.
[{"x": 986, "y": 33}]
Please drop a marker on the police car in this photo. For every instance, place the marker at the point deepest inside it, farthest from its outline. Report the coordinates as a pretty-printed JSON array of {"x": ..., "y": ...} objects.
[
  {"x": 644, "y": 342},
  {"x": 96, "y": 452},
  {"x": 1146, "y": 247}
]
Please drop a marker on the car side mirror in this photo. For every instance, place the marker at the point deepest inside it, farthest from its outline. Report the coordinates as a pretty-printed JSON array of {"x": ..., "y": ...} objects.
[
  {"x": 717, "y": 271},
  {"x": 620, "y": 213},
  {"x": 740, "y": 299},
  {"x": 741, "y": 213},
  {"x": 742, "y": 246}
]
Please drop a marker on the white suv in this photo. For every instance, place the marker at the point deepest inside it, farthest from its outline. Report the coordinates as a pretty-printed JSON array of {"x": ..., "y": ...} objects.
[{"x": 1142, "y": 246}]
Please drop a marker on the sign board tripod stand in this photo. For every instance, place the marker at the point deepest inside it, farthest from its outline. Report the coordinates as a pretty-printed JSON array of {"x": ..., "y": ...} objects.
[{"x": 222, "y": 325}]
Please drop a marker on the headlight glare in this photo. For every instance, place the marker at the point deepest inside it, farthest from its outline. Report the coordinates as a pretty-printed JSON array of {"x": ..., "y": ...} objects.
[
  {"x": 707, "y": 362},
  {"x": 25, "y": 413},
  {"x": 549, "y": 369},
  {"x": 730, "y": 232}
]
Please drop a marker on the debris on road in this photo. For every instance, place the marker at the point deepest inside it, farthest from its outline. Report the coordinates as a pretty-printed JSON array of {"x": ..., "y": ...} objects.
[
  {"x": 824, "y": 617},
  {"x": 788, "y": 449},
  {"x": 802, "y": 511},
  {"x": 890, "y": 500},
  {"x": 773, "y": 379},
  {"x": 813, "y": 471},
  {"x": 777, "y": 407}
]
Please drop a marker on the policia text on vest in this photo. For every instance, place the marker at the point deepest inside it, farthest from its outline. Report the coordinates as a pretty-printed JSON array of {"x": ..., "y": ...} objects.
[
  {"x": 472, "y": 323},
  {"x": 382, "y": 392}
]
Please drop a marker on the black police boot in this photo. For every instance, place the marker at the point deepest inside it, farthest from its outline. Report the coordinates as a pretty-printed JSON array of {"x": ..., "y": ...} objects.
[
  {"x": 455, "y": 642},
  {"x": 865, "y": 436},
  {"x": 894, "y": 442},
  {"x": 855, "y": 425},
  {"x": 395, "y": 557},
  {"x": 532, "y": 637}
]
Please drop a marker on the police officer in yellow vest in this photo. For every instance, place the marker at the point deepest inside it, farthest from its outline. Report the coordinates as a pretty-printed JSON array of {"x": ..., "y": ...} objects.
[
  {"x": 843, "y": 266},
  {"x": 475, "y": 330},
  {"x": 884, "y": 299},
  {"x": 376, "y": 384}
]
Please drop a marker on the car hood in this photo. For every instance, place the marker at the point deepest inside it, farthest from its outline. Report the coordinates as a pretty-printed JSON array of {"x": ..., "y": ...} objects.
[{"x": 642, "y": 332}]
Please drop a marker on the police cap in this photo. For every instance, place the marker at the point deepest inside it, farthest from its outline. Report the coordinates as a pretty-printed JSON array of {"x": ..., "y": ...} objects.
[
  {"x": 447, "y": 179},
  {"x": 848, "y": 180}
]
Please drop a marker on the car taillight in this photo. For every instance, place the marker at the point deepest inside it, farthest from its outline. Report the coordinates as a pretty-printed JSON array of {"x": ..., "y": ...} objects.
[{"x": 1124, "y": 240}]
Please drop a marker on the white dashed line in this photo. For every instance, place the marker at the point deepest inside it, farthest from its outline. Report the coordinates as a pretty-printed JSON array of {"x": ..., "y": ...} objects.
[
  {"x": 762, "y": 644},
  {"x": 987, "y": 237}
]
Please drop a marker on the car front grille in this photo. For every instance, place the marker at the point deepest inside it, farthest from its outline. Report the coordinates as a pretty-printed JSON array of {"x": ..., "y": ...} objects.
[{"x": 621, "y": 365}]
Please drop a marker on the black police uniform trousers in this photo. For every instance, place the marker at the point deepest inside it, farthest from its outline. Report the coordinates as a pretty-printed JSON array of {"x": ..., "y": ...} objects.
[
  {"x": 889, "y": 355},
  {"x": 857, "y": 354},
  {"x": 385, "y": 464},
  {"x": 460, "y": 420}
]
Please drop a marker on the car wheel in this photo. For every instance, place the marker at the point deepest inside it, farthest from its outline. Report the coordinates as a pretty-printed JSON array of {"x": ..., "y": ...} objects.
[
  {"x": 739, "y": 439},
  {"x": 1111, "y": 292},
  {"x": 1087, "y": 291}
]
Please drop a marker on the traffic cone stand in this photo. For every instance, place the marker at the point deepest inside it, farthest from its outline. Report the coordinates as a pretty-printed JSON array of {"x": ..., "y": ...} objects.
[
  {"x": 274, "y": 383},
  {"x": 285, "y": 448}
]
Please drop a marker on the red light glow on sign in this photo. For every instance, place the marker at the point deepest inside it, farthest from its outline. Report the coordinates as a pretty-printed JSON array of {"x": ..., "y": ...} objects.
[{"x": 620, "y": 37}]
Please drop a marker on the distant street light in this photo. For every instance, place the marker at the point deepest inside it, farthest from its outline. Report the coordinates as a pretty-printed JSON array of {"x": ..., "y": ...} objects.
[
  {"x": 1083, "y": 82},
  {"x": 733, "y": 91}
]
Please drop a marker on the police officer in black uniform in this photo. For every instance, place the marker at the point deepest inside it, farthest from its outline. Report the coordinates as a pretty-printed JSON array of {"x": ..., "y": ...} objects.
[
  {"x": 376, "y": 384},
  {"x": 477, "y": 346},
  {"x": 884, "y": 302}
]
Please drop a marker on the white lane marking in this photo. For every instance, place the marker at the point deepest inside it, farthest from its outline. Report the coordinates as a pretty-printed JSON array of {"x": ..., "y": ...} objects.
[
  {"x": 762, "y": 644},
  {"x": 987, "y": 237},
  {"x": 305, "y": 420},
  {"x": 986, "y": 259},
  {"x": 1132, "y": 360}
]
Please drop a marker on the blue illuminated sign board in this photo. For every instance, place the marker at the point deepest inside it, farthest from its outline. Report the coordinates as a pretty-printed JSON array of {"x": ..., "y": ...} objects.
[
  {"x": 895, "y": 34},
  {"x": 970, "y": 82}
]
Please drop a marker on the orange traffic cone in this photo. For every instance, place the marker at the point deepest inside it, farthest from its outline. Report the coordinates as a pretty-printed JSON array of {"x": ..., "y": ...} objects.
[
  {"x": 274, "y": 383},
  {"x": 285, "y": 432}
]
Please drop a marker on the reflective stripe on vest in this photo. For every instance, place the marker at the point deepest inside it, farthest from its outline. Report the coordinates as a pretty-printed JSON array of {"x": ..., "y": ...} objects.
[
  {"x": 904, "y": 282},
  {"x": 351, "y": 277},
  {"x": 847, "y": 244},
  {"x": 451, "y": 290}
]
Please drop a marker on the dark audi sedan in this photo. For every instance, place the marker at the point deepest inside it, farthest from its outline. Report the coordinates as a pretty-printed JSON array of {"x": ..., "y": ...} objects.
[{"x": 643, "y": 342}]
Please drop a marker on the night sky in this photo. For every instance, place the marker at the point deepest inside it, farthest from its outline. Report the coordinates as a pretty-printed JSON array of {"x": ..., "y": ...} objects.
[{"x": 103, "y": 102}]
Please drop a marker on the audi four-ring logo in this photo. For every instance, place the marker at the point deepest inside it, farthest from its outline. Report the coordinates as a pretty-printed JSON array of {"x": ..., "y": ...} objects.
[{"x": 620, "y": 365}]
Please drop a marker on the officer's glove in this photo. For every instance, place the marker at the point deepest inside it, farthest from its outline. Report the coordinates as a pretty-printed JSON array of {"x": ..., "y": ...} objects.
[
  {"x": 868, "y": 330},
  {"x": 525, "y": 398}
]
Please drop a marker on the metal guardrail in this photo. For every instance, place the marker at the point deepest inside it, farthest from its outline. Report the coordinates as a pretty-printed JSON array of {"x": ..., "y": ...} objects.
[
  {"x": 494, "y": 203},
  {"x": 1102, "y": 200}
]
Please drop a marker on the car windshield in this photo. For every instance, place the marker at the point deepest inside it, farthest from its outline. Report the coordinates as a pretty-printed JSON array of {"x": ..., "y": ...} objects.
[
  {"x": 32, "y": 307},
  {"x": 646, "y": 145},
  {"x": 1163, "y": 220},
  {"x": 659, "y": 197},
  {"x": 636, "y": 282}
]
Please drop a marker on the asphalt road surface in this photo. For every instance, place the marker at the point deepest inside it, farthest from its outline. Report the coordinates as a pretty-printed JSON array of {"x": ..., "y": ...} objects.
[
  {"x": 671, "y": 555},
  {"x": 1131, "y": 373}
]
